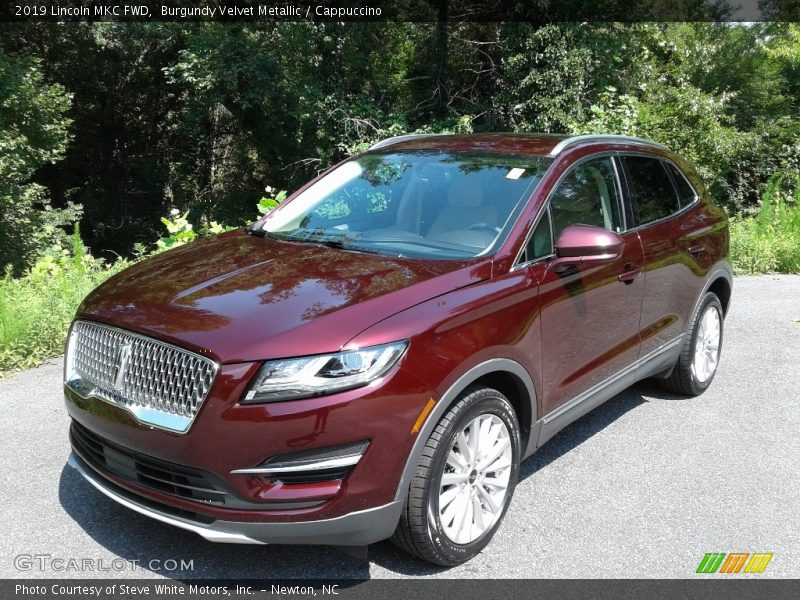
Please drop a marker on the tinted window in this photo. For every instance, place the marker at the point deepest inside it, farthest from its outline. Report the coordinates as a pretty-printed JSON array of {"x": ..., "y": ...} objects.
[
  {"x": 355, "y": 198},
  {"x": 686, "y": 193},
  {"x": 541, "y": 242},
  {"x": 429, "y": 204},
  {"x": 651, "y": 188},
  {"x": 587, "y": 195}
]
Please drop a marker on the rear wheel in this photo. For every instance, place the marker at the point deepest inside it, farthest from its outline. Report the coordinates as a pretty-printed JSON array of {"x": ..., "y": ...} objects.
[
  {"x": 464, "y": 481},
  {"x": 699, "y": 357}
]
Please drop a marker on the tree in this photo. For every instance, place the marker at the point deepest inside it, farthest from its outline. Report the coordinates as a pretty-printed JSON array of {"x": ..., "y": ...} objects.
[{"x": 33, "y": 132}]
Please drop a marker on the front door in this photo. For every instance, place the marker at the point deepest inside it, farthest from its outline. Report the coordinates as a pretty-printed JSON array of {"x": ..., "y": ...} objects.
[{"x": 589, "y": 314}]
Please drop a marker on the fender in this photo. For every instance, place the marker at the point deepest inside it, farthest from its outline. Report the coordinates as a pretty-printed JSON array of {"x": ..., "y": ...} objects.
[
  {"x": 721, "y": 269},
  {"x": 493, "y": 365}
]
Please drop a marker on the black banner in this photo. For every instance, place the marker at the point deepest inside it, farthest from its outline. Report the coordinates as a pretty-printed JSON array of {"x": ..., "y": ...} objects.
[
  {"x": 463, "y": 589},
  {"x": 536, "y": 11}
]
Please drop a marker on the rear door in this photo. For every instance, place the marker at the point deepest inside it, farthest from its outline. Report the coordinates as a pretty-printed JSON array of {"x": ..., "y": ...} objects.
[{"x": 671, "y": 228}]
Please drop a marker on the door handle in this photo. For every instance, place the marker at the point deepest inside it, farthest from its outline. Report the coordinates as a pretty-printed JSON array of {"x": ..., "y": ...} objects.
[
  {"x": 696, "y": 249},
  {"x": 629, "y": 274}
]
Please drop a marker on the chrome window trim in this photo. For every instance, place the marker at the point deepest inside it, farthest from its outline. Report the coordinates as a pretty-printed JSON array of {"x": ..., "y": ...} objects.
[
  {"x": 145, "y": 415},
  {"x": 682, "y": 209},
  {"x": 591, "y": 137}
]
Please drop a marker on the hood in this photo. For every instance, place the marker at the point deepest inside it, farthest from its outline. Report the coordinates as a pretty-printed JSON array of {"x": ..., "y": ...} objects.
[{"x": 239, "y": 297}]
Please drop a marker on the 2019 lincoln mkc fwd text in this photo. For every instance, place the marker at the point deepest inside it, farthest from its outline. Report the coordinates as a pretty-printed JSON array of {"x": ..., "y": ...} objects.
[{"x": 375, "y": 357}]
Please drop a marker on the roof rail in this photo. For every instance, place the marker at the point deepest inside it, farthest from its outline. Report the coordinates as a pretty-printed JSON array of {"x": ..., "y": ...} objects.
[
  {"x": 591, "y": 137},
  {"x": 400, "y": 138}
]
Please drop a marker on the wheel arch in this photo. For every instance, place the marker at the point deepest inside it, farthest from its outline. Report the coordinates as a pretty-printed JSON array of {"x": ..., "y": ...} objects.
[
  {"x": 719, "y": 281},
  {"x": 721, "y": 286},
  {"x": 503, "y": 374}
]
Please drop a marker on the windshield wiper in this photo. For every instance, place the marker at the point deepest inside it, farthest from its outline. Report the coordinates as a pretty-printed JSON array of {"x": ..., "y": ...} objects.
[
  {"x": 340, "y": 245},
  {"x": 424, "y": 242},
  {"x": 339, "y": 242},
  {"x": 263, "y": 233}
]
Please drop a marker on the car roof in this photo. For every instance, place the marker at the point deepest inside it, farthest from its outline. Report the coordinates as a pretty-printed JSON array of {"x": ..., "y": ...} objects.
[{"x": 538, "y": 144}]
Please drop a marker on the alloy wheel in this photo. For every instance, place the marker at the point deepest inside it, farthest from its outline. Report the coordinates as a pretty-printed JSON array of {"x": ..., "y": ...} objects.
[
  {"x": 475, "y": 481},
  {"x": 707, "y": 342}
]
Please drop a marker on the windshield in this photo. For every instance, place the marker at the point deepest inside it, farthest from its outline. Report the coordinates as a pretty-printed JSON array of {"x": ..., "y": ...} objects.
[{"x": 420, "y": 204}]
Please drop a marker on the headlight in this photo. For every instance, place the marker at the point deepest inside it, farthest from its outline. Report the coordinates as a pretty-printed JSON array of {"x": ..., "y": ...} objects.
[{"x": 295, "y": 378}]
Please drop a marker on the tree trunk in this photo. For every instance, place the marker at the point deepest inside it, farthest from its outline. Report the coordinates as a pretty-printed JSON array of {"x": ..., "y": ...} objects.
[{"x": 441, "y": 55}]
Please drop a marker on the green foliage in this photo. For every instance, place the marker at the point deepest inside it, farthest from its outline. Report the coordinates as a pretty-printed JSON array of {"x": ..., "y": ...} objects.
[
  {"x": 770, "y": 241},
  {"x": 33, "y": 133},
  {"x": 181, "y": 231},
  {"x": 706, "y": 140},
  {"x": 546, "y": 81},
  {"x": 200, "y": 116},
  {"x": 36, "y": 309},
  {"x": 267, "y": 203}
]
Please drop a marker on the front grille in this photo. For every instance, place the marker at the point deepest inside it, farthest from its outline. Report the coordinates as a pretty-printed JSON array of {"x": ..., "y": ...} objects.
[
  {"x": 147, "y": 471},
  {"x": 159, "y": 383}
]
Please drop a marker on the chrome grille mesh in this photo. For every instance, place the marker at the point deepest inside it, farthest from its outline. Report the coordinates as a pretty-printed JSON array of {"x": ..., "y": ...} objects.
[{"x": 143, "y": 375}]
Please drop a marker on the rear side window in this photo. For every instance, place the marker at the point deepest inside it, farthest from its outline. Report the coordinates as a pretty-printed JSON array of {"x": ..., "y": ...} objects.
[
  {"x": 651, "y": 188},
  {"x": 686, "y": 193}
]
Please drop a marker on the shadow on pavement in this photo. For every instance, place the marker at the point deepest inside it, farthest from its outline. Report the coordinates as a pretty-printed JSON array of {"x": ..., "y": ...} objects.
[
  {"x": 594, "y": 422},
  {"x": 135, "y": 537}
]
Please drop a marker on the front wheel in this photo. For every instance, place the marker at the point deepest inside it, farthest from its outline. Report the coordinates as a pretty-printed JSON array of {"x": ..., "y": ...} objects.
[
  {"x": 464, "y": 481},
  {"x": 701, "y": 350}
]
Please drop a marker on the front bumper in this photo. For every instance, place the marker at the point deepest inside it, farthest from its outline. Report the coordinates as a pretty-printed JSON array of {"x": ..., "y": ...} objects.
[
  {"x": 353, "y": 529},
  {"x": 227, "y": 445},
  {"x": 228, "y": 441}
]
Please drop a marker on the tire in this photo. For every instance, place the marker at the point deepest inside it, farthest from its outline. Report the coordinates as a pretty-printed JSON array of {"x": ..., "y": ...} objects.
[
  {"x": 433, "y": 534},
  {"x": 689, "y": 377}
]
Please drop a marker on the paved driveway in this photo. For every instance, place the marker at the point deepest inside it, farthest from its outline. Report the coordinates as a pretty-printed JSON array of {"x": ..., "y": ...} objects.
[{"x": 643, "y": 486}]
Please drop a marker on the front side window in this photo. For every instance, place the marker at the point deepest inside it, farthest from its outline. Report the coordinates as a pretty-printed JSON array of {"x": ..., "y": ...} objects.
[
  {"x": 651, "y": 188},
  {"x": 427, "y": 204},
  {"x": 587, "y": 195},
  {"x": 540, "y": 243}
]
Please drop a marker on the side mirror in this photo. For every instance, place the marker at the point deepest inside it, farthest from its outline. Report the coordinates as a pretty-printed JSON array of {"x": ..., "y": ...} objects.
[{"x": 585, "y": 245}]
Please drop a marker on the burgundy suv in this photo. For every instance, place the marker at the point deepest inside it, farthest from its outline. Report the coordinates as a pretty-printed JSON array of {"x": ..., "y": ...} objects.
[{"x": 375, "y": 357}]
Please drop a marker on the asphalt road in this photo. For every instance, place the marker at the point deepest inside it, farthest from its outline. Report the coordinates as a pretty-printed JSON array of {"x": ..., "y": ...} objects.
[{"x": 643, "y": 486}]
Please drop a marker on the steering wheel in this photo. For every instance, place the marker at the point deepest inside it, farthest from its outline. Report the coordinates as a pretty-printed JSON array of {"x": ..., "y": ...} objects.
[{"x": 484, "y": 227}]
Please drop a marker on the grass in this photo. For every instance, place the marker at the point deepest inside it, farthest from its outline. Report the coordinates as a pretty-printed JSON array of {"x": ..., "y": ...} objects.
[
  {"x": 36, "y": 309},
  {"x": 769, "y": 242}
]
